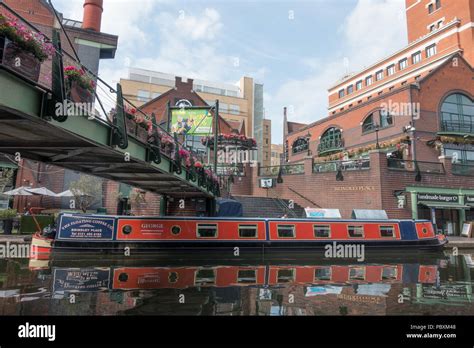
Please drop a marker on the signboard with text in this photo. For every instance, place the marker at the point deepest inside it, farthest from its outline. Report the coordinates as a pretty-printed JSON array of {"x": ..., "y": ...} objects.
[
  {"x": 191, "y": 121},
  {"x": 437, "y": 197},
  {"x": 87, "y": 228}
]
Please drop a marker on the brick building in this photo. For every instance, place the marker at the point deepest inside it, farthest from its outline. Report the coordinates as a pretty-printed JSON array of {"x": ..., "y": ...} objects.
[{"x": 399, "y": 135}]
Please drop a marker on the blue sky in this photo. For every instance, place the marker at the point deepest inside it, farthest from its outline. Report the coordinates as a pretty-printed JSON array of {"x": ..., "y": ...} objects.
[{"x": 297, "y": 48}]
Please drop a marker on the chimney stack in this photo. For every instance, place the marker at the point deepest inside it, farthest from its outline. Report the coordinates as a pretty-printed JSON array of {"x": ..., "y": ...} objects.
[{"x": 92, "y": 14}]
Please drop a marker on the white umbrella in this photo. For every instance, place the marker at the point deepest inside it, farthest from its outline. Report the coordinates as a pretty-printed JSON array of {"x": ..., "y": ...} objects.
[
  {"x": 43, "y": 191},
  {"x": 20, "y": 191},
  {"x": 70, "y": 193}
]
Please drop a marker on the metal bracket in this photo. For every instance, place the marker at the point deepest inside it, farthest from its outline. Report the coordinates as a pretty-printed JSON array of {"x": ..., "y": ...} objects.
[
  {"x": 57, "y": 83},
  {"x": 119, "y": 131}
]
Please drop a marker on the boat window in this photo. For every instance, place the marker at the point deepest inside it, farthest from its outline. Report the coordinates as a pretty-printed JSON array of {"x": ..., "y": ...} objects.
[
  {"x": 322, "y": 231},
  {"x": 248, "y": 231},
  {"x": 247, "y": 276},
  {"x": 205, "y": 277},
  {"x": 286, "y": 231},
  {"x": 356, "y": 231},
  {"x": 387, "y": 231},
  {"x": 286, "y": 275},
  {"x": 207, "y": 230},
  {"x": 357, "y": 273},
  {"x": 389, "y": 273},
  {"x": 323, "y": 273}
]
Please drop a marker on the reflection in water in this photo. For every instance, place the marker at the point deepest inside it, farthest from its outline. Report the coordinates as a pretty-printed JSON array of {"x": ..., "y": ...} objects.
[{"x": 434, "y": 286}]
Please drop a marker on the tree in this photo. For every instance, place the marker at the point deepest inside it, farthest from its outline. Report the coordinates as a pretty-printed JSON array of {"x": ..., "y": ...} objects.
[{"x": 87, "y": 190}]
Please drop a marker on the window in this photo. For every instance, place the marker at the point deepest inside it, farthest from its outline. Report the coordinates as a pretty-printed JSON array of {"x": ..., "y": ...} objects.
[
  {"x": 368, "y": 124},
  {"x": 205, "y": 277},
  {"x": 350, "y": 89},
  {"x": 359, "y": 85},
  {"x": 430, "y": 50},
  {"x": 379, "y": 75},
  {"x": 457, "y": 114},
  {"x": 234, "y": 109},
  {"x": 247, "y": 276},
  {"x": 389, "y": 272},
  {"x": 286, "y": 275},
  {"x": 357, "y": 273},
  {"x": 286, "y": 231},
  {"x": 430, "y": 8},
  {"x": 300, "y": 145},
  {"x": 207, "y": 230},
  {"x": 417, "y": 77},
  {"x": 416, "y": 57},
  {"x": 331, "y": 141},
  {"x": 143, "y": 96},
  {"x": 247, "y": 231},
  {"x": 403, "y": 83},
  {"x": 402, "y": 64},
  {"x": 385, "y": 119},
  {"x": 432, "y": 27},
  {"x": 440, "y": 24},
  {"x": 391, "y": 70},
  {"x": 438, "y": 4},
  {"x": 322, "y": 231},
  {"x": 387, "y": 231},
  {"x": 341, "y": 93},
  {"x": 355, "y": 231},
  {"x": 323, "y": 273},
  {"x": 368, "y": 80},
  {"x": 460, "y": 156}
]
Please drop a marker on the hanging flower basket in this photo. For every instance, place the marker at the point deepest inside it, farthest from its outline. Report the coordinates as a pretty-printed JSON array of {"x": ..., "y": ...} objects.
[
  {"x": 79, "y": 86},
  {"x": 22, "y": 49}
]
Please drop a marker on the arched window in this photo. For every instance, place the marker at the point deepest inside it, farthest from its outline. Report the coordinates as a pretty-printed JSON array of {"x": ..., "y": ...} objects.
[
  {"x": 457, "y": 114},
  {"x": 300, "y": 145},
  {"x": 331, "y": 141},
  {"x": 380, "y": 118}
]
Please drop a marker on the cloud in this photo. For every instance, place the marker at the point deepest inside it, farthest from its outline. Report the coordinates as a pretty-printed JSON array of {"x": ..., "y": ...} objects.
[{"x": 373, "y": 30}]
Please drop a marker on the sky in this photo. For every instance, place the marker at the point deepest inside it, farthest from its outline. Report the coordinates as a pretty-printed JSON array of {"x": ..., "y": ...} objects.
[{"x": 296, "y": 48}]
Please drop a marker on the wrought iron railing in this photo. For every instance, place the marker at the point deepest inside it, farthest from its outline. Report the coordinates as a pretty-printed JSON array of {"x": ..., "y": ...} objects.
[
  {"x": 330, "y": 146},
  {"x": 458, "y": 127},
  {"x": 415, "y": 166},
  {"x": 76, "y": 91},
  {"x": 463, "y": 169},
  {"x": 285, "y": 169},
  {"x": 347, "y": 165}
]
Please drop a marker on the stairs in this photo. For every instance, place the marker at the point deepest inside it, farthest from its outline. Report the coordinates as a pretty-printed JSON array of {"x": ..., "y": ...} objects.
[{"x": 266, "y": 207}]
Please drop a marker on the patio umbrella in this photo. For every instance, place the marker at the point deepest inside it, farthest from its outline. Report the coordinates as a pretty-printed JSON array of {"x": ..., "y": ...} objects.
[
  {"x": 43, "y": 191},
  {"x": 69, "y": 193},
  {"x": 20, "y": 191}
]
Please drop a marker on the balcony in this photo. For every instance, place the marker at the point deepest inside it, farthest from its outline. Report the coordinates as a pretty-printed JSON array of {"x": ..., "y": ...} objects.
[
  {"x": 326, "y": 147},
  {"x": 456, "y": 127},
  {"x": 463, "y": 169},
  {"x": 414, "y": 166},
  {"x": 334, "y": 166},
  {"x": 286, "y": 169}
]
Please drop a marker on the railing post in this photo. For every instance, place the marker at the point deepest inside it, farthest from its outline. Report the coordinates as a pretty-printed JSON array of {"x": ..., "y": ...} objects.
[
  {"x": 153, "y": 152},
  {"x": 176, "y": 162},
  {"x": 119, "y": 131},
  {"x": 57, "y": 81}
]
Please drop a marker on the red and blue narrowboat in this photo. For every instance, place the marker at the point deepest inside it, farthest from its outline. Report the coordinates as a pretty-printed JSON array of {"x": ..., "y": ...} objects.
[{"x": 103, "y": 233}]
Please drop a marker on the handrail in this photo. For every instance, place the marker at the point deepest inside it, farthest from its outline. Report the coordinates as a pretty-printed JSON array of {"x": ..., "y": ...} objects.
[{"x": 304, "y": 197}]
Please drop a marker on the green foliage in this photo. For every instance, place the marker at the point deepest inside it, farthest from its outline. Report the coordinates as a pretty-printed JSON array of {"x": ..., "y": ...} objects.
[
  {"x": 7, "y": 214},
  {"x": 87, "y": 190}
]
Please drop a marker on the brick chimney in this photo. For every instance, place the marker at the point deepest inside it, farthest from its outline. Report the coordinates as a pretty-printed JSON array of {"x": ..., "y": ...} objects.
[{"x": 92, "y": 14}]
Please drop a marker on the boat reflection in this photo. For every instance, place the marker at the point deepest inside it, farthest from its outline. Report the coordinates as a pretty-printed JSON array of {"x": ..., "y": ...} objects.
[{"x": 148, "y": 287}]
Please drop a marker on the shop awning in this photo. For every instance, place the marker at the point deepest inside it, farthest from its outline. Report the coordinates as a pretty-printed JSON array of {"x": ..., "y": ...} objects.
[{"x": 439, "y": 205}]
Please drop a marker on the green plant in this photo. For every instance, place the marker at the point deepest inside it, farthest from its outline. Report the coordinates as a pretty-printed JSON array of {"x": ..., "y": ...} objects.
[
  {"x": 71, "y": 73},
  {"x": 26, "y": 39},
  {"x": 86, "y": 190},
  {"x": 7, "y": 214}
]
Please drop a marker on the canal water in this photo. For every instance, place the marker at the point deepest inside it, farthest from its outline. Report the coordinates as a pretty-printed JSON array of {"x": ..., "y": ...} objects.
[{"x": 439, "y": 284}]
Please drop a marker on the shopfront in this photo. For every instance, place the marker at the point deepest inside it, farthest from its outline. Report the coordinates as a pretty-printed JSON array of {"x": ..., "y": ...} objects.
[{"x": 447, "y": 208}]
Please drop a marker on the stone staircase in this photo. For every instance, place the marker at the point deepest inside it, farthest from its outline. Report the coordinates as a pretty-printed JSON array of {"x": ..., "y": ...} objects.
[{"x": 267, "y": 207}]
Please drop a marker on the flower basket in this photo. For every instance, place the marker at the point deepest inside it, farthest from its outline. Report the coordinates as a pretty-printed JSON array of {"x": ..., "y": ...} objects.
[
  {"x": 78, "y": 94},
  {"x": 17, "y": 59},
  {"x": 142, "y": 133}
]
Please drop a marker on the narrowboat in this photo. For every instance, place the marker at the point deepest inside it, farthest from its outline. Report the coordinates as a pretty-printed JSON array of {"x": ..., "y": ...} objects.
[{"x": 233, "y": 236}]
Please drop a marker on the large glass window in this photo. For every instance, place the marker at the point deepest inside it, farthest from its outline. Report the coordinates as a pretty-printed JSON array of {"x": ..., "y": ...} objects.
[
  {"x": 331, "y": 140},
  {"x": 383, "y": 118},
  {"x": 430, "y": 51},
  {"x": 300, "y": 145},
  {"x": 416, "y": 57},
  {"x": 403, "y": 64},
  {"x": 457, "y": 114}
]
